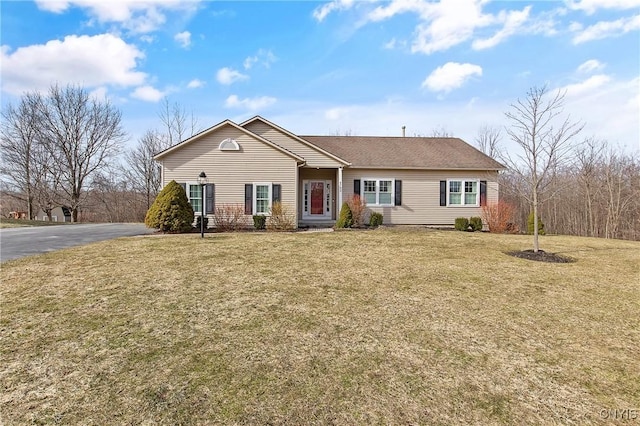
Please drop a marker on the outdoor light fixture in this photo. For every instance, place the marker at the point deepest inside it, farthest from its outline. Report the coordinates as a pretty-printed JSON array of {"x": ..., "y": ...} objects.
[{"x": 202, "y": 180}]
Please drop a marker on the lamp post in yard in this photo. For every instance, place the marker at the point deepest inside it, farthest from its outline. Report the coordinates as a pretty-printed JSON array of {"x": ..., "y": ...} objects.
[{"x": 202, "y": 180}]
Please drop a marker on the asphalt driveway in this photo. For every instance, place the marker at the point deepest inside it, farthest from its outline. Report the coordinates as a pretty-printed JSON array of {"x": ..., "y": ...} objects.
[{"x": 20, "y": 242}]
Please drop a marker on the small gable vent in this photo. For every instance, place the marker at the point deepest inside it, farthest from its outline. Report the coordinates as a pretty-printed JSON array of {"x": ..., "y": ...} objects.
[{"x": 229, "y": 145}]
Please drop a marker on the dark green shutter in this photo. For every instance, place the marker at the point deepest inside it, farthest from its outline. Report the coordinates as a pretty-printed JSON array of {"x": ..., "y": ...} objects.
[
  {"x": 398, "y": 193},
  {"x": 210, "y": 198},
  {"x": 184, "y": 188},
  {"x": 483, "y": 192},
  {"x": 356, "y": 187},
  {"x": 248, "y": 198},
  {"x": 443, "y": 192},
  {"x": 275, "y": 192}
]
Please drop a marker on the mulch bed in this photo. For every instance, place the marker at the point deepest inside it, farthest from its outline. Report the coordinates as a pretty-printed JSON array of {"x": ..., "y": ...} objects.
[{"x": 541, "y": 256}]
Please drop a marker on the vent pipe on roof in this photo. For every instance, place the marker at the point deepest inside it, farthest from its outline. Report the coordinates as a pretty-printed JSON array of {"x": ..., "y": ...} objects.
[{"x": 403, "y": 129}]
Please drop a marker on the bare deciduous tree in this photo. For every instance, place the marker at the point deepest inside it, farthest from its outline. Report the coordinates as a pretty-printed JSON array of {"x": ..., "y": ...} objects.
[
  {"x": 441, "y": 132},
  {"x": 142, "y": 170},
  {"x": 338, "y": 132},
  {"x": 488, "y": 140},
  {"x": 620, "y": 190},
  {"x": 175, "y": 127},
  {"x": 19, "y": 143},
  {"x": 596, "y": 195},
  {"x": 588, "y": 157},
  {"x": 543, "y": 140},
  {"x": 82, "y": 134}
]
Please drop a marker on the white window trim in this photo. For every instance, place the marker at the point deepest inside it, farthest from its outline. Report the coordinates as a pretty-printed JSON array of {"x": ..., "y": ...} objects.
[
  {"x": 377, "y": 180},
  {"x": 327, "y": 203},
  {"x": 462, "y": 182},
  {"x": 188, "y": 191},
  {"x": 233, "y": 142},
  {"x": 255, "y": 197}
]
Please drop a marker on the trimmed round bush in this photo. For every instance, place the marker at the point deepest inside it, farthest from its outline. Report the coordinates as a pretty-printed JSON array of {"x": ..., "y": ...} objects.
[
  {"x": 259, "y": 221},
  {"x": 475, "y": 223},
  {"x": 461, "y": 224},
  {"x": 375, "y": 219},
  {"x": 170, "y": 211}
]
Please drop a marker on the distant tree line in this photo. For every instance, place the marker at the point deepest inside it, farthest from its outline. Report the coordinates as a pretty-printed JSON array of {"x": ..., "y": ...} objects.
[
  {"x": 65, "y": 147},
  {"x": 576, "y": 186},
  {"x": 596, "y": 194}
]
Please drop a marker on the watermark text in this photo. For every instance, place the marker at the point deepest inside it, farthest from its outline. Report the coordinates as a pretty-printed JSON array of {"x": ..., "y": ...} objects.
[{"x": 620, "y": 414}]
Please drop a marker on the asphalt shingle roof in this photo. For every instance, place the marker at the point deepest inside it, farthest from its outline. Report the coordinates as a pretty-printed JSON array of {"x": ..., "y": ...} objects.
[{"x": 405, "y": 152}]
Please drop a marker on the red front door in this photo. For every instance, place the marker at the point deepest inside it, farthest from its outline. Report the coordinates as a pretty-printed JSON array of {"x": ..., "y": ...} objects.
[{"x": 317, "y": 197}]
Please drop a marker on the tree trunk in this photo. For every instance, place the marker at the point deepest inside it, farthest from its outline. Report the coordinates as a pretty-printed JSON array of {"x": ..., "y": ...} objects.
[{"x": 536, "y": 245}]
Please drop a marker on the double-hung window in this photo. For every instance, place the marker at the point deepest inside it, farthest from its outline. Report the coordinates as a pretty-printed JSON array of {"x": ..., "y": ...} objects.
[
  {"x": 378, "y": 191},
  {"x": 463, "y": 192},
  {"x": 262, "y": 198},
  {"x": 195, "y": 197}
]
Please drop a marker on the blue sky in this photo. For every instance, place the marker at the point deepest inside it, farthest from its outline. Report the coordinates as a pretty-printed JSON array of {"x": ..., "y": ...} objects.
[{"x": 364, "y": 67}]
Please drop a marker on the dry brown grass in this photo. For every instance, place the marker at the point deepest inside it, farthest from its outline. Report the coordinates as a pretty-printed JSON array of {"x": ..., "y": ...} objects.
[{"x": 380, "y": 327}]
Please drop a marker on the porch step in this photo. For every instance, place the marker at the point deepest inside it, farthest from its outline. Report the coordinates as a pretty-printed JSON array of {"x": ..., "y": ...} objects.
[{"x": 316, "y": 224}]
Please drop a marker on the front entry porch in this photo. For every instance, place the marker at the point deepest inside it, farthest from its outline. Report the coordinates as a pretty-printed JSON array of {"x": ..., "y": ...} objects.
[{"x": 320, "y": 195}]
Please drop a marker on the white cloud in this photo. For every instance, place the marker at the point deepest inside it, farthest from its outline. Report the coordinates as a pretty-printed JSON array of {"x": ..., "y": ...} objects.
[
  {"x": 264, "y": 57},
  {"x": 574, "y": 27},
  {"x": 195, "y": 83},
  {"x": 55, "y": 6},
  {"x": 590, "y": 65},
  {"x": 448, "y": 23},
  {"x": 147, "y": 93},
  {"x": 183, "y": 38},
  {"x": 609, "y": 109},
  {"x": 451, "y": 75},
  {"x": 249, "y": 62},
  {"x": 513, "y": 22},
  {"x": 610, "y": 112},
  {"x": 426, "y": 10},
  {"x": 606, "y": 29},
  {"x": 99, "y": 93},
  {"x": 591, "y": 6},
  {"x": 586, "y": 86},
  {"x": 321, "y": 12},
  {"x": 228, "y": 76},
  {"x": 337, "y": 113},
  {"x": 137, "y": 16},
  {"x": 251, "y": 104},
  {"x": 391, "y": 44},
  {"x": 91, "y": 61},
  {"x": 395, "y": 44}
]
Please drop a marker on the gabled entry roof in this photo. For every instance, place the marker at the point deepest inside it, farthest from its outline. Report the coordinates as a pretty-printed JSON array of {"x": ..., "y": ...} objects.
[
  {"x": 295, "y": 137},
  {"x": 218, "y": 126}
]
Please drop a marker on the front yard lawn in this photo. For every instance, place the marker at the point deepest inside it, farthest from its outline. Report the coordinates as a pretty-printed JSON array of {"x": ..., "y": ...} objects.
[{"x": 390, "y": 326}]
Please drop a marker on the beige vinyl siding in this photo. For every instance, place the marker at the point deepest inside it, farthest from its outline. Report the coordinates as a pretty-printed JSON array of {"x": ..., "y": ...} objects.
[
  {"x": 313, "y": 157},
  {"x": 421, "y": 194},
  {"x": 256, "y": 162}
]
